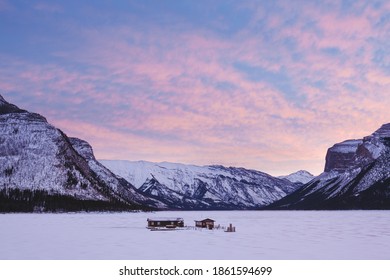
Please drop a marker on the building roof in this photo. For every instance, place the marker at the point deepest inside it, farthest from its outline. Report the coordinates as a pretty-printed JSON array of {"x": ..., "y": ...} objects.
[
  {"x": 206, "y": 220},
  {"x": 165, "y": 219}
]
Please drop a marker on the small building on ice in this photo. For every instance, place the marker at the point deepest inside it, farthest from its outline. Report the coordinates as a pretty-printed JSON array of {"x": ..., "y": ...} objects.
[
  {"x": 165, "y": 222},
  {"x": 206, "y": 223}
]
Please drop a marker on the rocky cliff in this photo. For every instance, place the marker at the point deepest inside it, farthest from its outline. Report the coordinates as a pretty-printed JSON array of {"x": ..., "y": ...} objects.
[{"x": 357, "y": 176}]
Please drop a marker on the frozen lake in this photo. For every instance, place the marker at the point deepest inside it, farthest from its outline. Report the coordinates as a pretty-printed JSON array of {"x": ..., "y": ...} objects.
[{"x": 260, "y": 235}]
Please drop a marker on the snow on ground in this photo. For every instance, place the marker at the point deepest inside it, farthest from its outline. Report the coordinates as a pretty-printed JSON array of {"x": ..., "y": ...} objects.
[{"x": 260, "y": 235}]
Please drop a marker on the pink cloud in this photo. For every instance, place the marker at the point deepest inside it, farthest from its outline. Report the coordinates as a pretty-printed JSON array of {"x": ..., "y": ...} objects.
[{"x": 171, "y": 84}]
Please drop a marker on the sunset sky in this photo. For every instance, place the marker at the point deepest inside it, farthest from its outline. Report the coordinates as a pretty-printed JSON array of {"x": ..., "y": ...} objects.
[{"x": 266, "y": 85}]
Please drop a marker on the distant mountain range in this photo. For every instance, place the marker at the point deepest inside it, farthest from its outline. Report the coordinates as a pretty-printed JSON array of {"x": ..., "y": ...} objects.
[
  {"x": 203, "y": 187},
  {"x": 42, "y": 169}
]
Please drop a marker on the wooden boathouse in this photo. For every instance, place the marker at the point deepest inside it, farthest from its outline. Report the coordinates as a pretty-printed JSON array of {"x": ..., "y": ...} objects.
[
  {"x": 165, "y": 222},
  {"x": 206, "y": 223}
]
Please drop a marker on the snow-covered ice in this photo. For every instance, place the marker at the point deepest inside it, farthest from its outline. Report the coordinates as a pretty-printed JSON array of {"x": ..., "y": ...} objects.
[{"x": 260, "y": 235}]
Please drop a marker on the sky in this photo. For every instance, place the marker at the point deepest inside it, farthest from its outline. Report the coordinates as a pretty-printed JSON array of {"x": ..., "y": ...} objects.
[{"x": 265, "y": 85}]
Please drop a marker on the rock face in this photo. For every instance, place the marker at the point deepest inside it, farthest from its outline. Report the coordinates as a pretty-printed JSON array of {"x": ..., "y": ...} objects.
[
  {"x": 202, "y": 187},
  {"x": 341, "y": 155},
  {"x": 361, "y": 180},
  {"x": 41, "y": 169}
]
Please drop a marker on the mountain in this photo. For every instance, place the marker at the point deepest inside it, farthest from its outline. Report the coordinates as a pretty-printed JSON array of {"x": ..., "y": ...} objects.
[
  {"x": 41, "y": 169},
  {"x": 202, "y": 187},
  {"x": 356, "y": 176},
  {"x": 299, "y": 177}
]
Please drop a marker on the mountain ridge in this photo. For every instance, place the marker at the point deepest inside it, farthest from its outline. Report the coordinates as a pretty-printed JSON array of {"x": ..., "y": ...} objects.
[
  {"x": 202, "y": 187},
  {"x": 41, "y": 169},
  {"x": 360, "y": 180}
]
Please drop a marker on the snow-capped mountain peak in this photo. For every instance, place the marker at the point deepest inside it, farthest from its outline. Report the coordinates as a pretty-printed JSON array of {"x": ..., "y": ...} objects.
[
  {"x": 301, "y": 176},
  {"x": 383, "y": 131}
]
